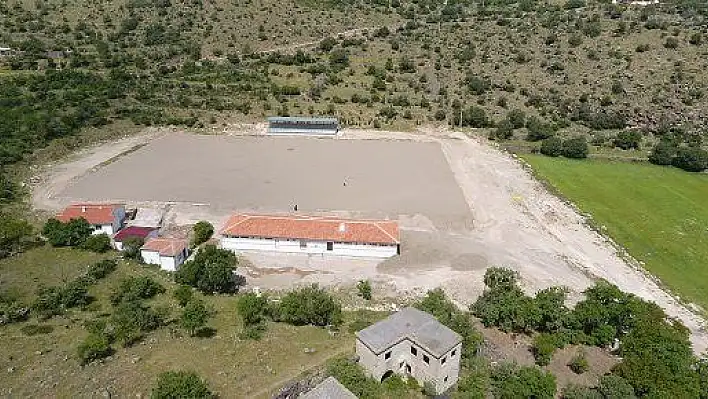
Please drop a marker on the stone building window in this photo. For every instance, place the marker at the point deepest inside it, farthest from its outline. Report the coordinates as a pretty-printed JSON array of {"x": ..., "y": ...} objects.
[
  {"x": 414, "y": 351},
  {"x": 387, "y": 355},
  {"x": 426, "y": 359},
  {"x": 453, "y": 353},
  {"x": 442, "y": 361}
]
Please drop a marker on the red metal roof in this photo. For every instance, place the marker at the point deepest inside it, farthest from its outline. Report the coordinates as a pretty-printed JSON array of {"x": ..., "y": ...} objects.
[
  {"x": 133, "y": 231},
  {"x": 313, "y": 228},
  {"x": 93, "y": 213},
  {"x": 165, "y": 246}
]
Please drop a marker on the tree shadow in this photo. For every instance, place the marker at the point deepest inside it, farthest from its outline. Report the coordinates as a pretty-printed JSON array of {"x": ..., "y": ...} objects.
[{"x": 205, "y": 332}]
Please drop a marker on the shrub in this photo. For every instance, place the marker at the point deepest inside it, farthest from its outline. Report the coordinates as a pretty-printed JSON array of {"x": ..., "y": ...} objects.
[
  {"x": 98, "y": 243},
  {"x": 477, "y": 85},
  {"x": 663, "y": 153},
  {"x": 194, "y": 316},
  {"x": 671, "y": 42},
  {"x": 613, "y": 386},
  {"x": 544, "y": 345},
  {"x": 571, "y": 4},
  {"x": 691, "y": 159},
  {"x": 15, "y": 235},
  {"x": 211, "y": 270},
  {"x": 579, "y": 363},
  {"x": 131, "y": 248},
  {"x": 576, "y": 147},
  {"x": 503, "y": 304},
  {"x": 581, "y": 392},
  {"x": 696, "y": 38},
  {"x": 310, "y": 305},
  {"x": 517, "y": 118},
  {"x": 552, "y": 146},
  {"x": 364, "y": 288},
  {"x": 71, "y": 234},
  {"x": 510, "y": 381},
  {"x": 101, "y": 269},
  {"x": 183, "y": 294},
  {"x": 628, "y": 139},
  {"x": 136, "y": 288},
  {"x": 537, "y": 130},
  {"x": 202, "y": 232},
  {"x": 180, "y": 384},
  {"x": 36, "y": 329},
  {"x": 94, "y": 347},
  {"x": 352, "y": 376},
  {"x": 130, "y": 320},
  {"x": 504, "y": 130}
]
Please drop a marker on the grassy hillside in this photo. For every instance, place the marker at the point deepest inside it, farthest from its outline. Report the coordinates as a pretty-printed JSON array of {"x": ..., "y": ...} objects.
[{"x": 657, "y": 213}]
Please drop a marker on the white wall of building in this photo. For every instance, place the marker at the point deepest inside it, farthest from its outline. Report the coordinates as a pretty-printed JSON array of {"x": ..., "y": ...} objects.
[
  {"x": 308, "y": 247},
  {"x": 150, "y": 257},
  {"x": 104, "y": 229},
  {"x": 169, "y": 263}
]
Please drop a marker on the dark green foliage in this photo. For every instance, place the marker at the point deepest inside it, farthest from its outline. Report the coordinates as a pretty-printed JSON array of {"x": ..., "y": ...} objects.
[
  {"x": 253, "y": 308},
  {"x": 517, "y": 118},
  {"x": 55, "y": 300},
  {"x": 663, "y": 153},
  {"x": 131, "y": 247},
  {"x": 544, "y": 345},
  {"x": 101, "y": 269},
  {"x": 211, "y": 270},
  {"x": 477, "y": 85},
  {"x": 503, "y": 304},
  {"x": 15, "y": 235},
  {"x": 504, "y": 130},
  {"x": 194, "y": 316},
  {"x": 136, "y": 288},
  {"x": 352, "y": 376},
  {"x": 691, "y": 159},
  {"x": 203, "y": 231},
  {"x": 471, "y": 117},
  {"x": 702, "y": 369},
  {"x": 576, "y": 147},
  {"x": 309, "y": 305},
  {"x": 474, "y": 382},
  {"x": 615, "y": 387},
  {"x": 571, "y": 4},
  {"x": 538, "y": 130},
  {"x": 183, "y": 294},
  {"x": 364, "y": 288},
  {"x": 36, "y": 329},
  {"x": 98, "y": 243},
  {"x": 94, "y": 347},
  {"x": 180, "y": 384},
  {"x": 439, "y": 305},
  {"x": 9, "y": 191},
  {"x": 510, "y": 381},
  {"x": 554, "y": 316},
  {"x": 579, "y": 363},
  {"x": 131, "y": 320},
  {"x": 70, "y": 234},
  {"x": 628, "y": 139},
  {"x": 11, "y": 309},
  {"x": 552, "y": 146},
  {"x": 581, "y": 392}
]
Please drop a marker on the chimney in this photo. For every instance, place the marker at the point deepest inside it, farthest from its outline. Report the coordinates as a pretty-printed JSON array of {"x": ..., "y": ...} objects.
[{"x": 342, "y": 227}]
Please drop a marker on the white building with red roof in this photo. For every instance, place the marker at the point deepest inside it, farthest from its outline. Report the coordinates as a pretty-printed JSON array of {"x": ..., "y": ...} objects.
[
  {"x": 105, "y": 218},
  {"x": 311, "y": 235},
  {"x": 143, "y": 233},
  {"x": 168, "y": 253}
]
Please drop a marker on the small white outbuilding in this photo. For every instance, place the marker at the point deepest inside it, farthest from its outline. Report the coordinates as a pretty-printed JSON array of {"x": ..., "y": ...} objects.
[{"x": 168, "y": 253}]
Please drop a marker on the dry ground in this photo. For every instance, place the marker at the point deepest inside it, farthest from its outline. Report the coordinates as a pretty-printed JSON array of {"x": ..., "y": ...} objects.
[{"x": 517, "y": 223}]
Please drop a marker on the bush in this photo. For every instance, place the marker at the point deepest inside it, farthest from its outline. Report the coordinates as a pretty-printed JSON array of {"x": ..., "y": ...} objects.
[
  {"x": 537, "y": 130},
  {"x": 183, "y": 294},
  {"x": 131, "y": 248},
  {"x": 613, "y": 386},
  {"x": 671, "y": 42},
  {"x": 510, "y": 381},
  {"x": 552, "y": 146},
  {"x": 194, "y": 316},
  {"x": 691, "y": 159},
  {"x": 544, "y": 345},
  {"x": 211, "y": 270},
  {"x": 136, "y": 288},
  {"x": 15, "y": 235},
  {"x": 101, "y": 269},
  {"x": 581, "y": 392},
  {"x": 202, "y": 232},
  {"x": 180, "y": 384},
  {"x": 504, "y": 130},
  {"x": 353, "y": 377},
  {"x": 579, "y": 364},
  {"x": 364, "y": 288},
  {"x": 576, "y": 147},
  {"x": 70, "y": 234},
  {"x": 663, "y": 153},
  {"x": 310, "y": 305},
  {"x": 36, "y": 329},
  {"x": 628, "y": 139},
  {"x": 98, "y": 243},
  {"x": 517, "y": 118},
  {"x": 130, "y": 320},
  {"x": 94, "y": 347}
]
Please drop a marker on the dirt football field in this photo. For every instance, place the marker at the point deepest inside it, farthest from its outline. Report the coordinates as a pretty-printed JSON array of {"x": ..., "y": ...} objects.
[{"x": 364, "y": 177}]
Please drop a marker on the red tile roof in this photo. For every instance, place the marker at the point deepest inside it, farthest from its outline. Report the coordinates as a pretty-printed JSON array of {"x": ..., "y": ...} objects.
[
  {"x": 313, "y": 228},
  {"x": 133, "y": 231},
  {"x": 93, "y": 213},
  {"x": 165, "y": 246}
]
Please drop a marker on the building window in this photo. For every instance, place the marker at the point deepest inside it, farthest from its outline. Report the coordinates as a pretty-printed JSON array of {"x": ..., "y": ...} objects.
[
  {"x": 453, "y": 353},
  {"x": 330, "y": 246},
  {"x": 303, "y": 244},
  {"x": 445, "y": 379},
  {"x": 414, "y": 351},
  {"x": 426, "y": 359},
  {"x": 442, "y": 361},
  {"x": 387, "y": 355}
]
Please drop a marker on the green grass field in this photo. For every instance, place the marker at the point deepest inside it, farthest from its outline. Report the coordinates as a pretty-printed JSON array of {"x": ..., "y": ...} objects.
[{"x": 658, "y": 214}]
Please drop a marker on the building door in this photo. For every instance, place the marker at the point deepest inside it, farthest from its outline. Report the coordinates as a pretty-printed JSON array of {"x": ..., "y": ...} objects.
[{"x": 330, "y": 246}]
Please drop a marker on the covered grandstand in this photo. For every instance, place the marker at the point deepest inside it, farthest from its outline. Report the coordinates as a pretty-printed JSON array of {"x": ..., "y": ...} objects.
[{"x": 303, "y": 126}]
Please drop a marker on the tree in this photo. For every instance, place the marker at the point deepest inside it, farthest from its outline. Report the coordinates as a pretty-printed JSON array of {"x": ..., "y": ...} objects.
[
  {"x": 203, "y": 231},
  {"x": 131, "y": 248},
  {"x": 98, "y": 243},
  {"x": 15, "y": 235},
  {"x": 579, "y": 363},
  {"x": 364, "y": 288},
  {"x": 94, "y": 347},
  {"x": 538, "y": 130},
  {"x": 8, "y": 188},
  {"x": 691, "y": 159},
  {"x": 71, "y": 234},
  {"x": 552, "y": 146},
  {"x": 628, "y": 139},
  {"x": 553, "y": 314},
  {"x": 612, "y": 386},
  {"x": 576, "y": 147},
  {"x": 183, "y": 294},
  {"x": 180, "y": 384},
  {"x": 510, "y": 381},
  {"x": 544, "y": 345},
  {"x": 136, "y": 288},
  {"x": 211, "y": 270},
  {"x": 310, "y": 305},
  {"x": 504, "y": 130},
  {"x": 194, "y": 316},
  {"x": 131, "y": 320},
  {"x": 663, "y": 153},
  {"x": 581, "y": 392}
]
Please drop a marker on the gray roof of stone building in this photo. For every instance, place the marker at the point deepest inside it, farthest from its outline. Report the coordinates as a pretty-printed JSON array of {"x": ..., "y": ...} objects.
[
  {"x": 329, "y": 389},
  {"x": 416, "y": 325}
]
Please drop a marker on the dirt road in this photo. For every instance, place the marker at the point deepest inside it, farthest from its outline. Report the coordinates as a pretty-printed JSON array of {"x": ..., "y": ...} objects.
[{"x": 517, "y": 223}]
